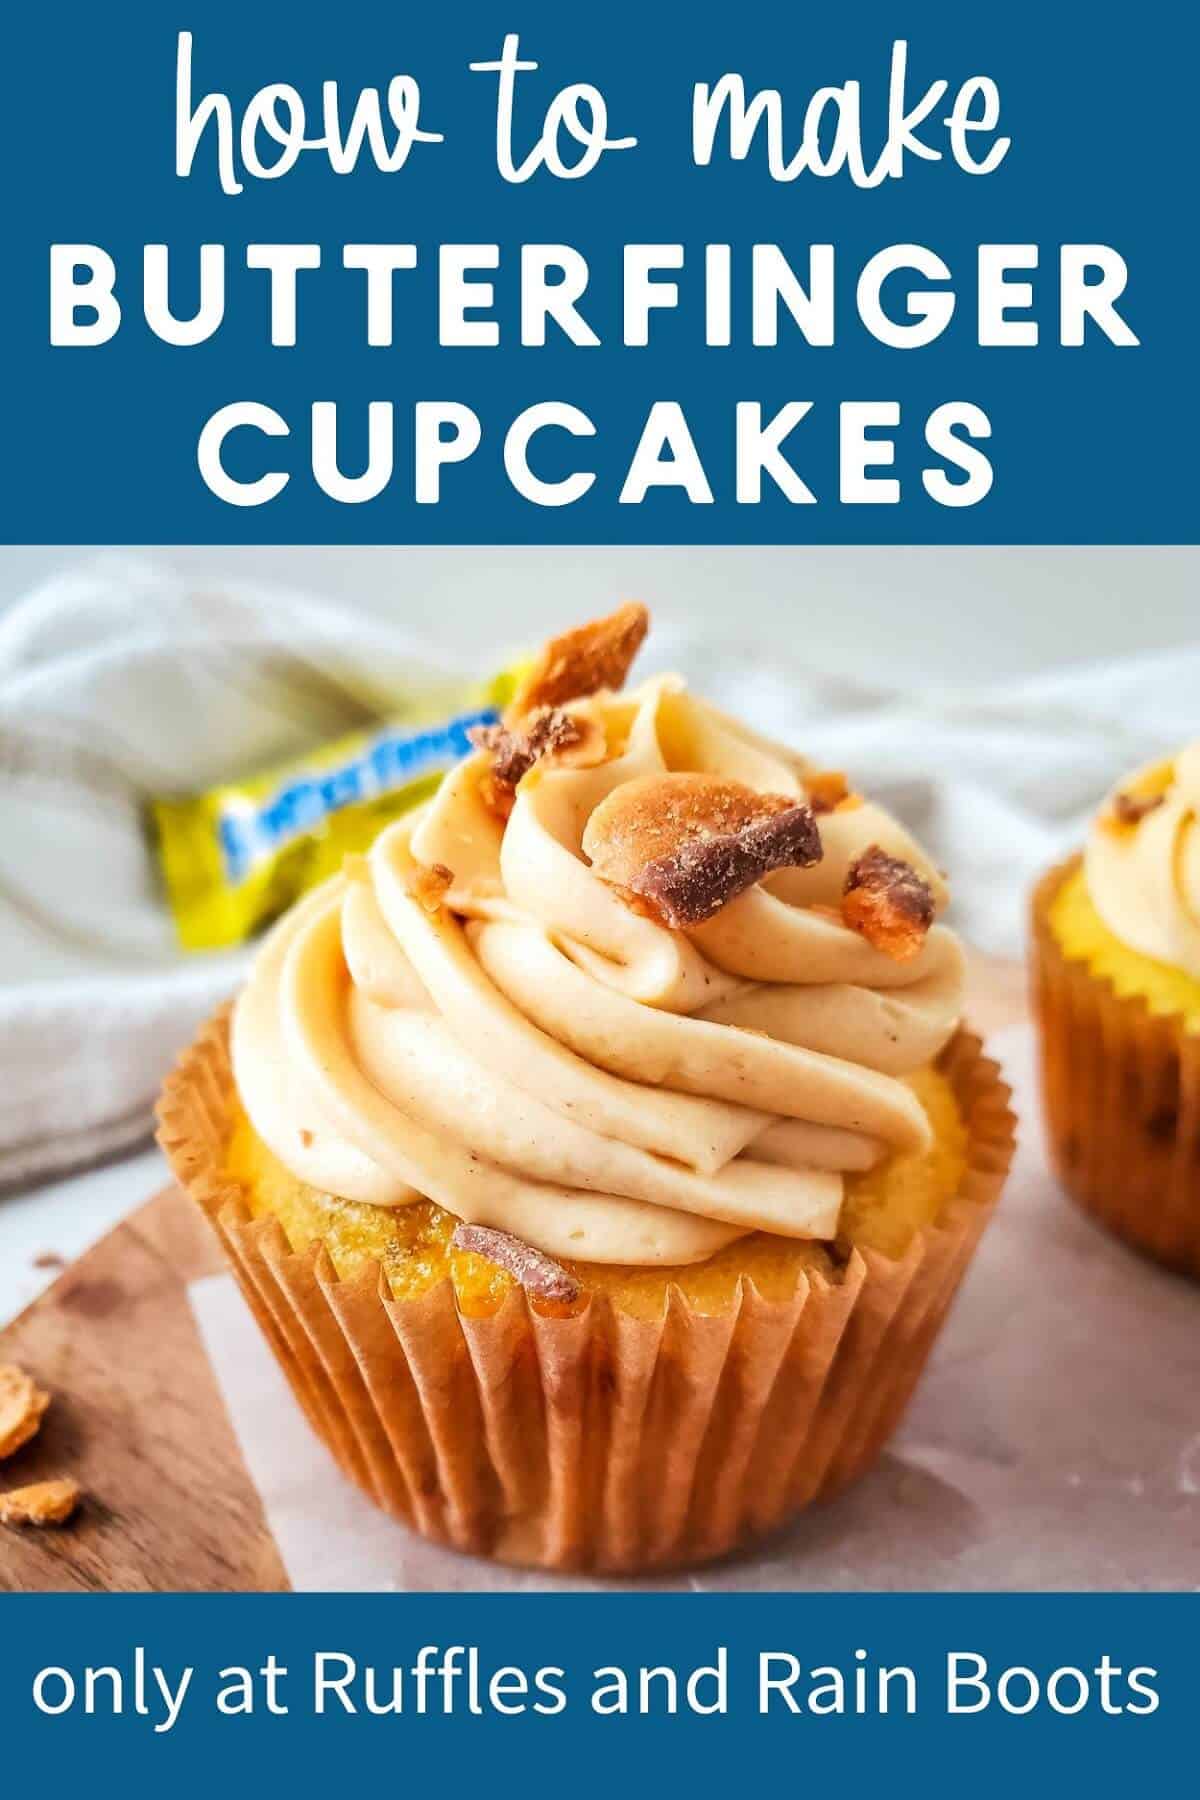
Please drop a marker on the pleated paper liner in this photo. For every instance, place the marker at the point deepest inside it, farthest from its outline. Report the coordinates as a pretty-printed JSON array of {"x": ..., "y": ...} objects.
[
  {"x": 603, "y": 1441},
  {"x": 1121, "y": 1094}
]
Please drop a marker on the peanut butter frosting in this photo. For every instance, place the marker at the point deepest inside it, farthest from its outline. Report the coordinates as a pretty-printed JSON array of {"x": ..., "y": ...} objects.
[
  {"x": 474, "y": 1013},
  {"x": 1142, "y": 862}
]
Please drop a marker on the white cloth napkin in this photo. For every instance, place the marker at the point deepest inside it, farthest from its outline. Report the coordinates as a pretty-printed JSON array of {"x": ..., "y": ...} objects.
[
  {"x": 121, "y": 681},
  {"x": 118, "y": 683}
]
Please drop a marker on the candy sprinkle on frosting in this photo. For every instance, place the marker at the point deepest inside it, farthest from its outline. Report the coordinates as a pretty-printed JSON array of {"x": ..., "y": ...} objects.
[
  {"x": 429, "y": 886},
  {"x": 685, "y": 844},
  {"x": 888, "y": 903},
  {"x": 547, "y": 735},
  {"x": 827, "y": 789},
  {"x": 514, "y": 752},
  {"x": 1131, "y": 809},
  {"x": 597, "y": 655},
  {"x": 704, "y": 875}
]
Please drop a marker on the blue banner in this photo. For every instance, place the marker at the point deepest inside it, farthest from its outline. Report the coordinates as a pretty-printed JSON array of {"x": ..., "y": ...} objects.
[
  {"x": 704, "y": 273},
  {"x": 575, "y": 1694}
]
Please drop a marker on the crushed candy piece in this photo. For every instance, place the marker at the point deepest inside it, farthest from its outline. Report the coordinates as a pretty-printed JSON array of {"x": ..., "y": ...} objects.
[
  {"x": 888, "y": 903},
  {"x": 429, "y": 885},
  {"x": 514, "y": 752},
  {"x": 597, "y": 655},
  {"x": 538, "y": 1274},
  {"x": 705, "y": 874},
  {"x": 1131, "y": 809},
  {"x": 827, "y": 789},
  {"x": 654, "y": 815},
  {"x": 22, "y": 1408},
  {"x": 44, "y": 1503},
  {"x": 547, "y": 735},
  {"x": 685, "y": 844}
]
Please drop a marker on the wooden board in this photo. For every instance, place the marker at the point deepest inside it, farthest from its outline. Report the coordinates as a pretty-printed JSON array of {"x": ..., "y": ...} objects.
[
  {"x": 137, "y": 1417},
  {"x": 138, "y": 1420}
]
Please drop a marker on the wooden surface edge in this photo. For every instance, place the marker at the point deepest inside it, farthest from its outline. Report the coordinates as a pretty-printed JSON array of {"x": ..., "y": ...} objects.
[{"x": 138, "y": 1420}]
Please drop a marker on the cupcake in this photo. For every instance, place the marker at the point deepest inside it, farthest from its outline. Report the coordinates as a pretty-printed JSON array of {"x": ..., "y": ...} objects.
[
  {"x": 601, "y": 1153},
  {"x": 1116, "y": 973}
]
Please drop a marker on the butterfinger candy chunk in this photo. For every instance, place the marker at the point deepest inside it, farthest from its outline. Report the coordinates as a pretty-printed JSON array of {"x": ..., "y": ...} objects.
[
  {"x": 888, "y": 903},
  {"x": 707, "y": 873},
  {"x": 593, "y": 656},
  {"x": 683, "y": 845},
  {"x": 655, "y": 815},
  {"x": 513, "y": 752},
  {"x": 45, "y": 1503},
  {"x": 826, "y": 789},
  {"x": 428, "y": 885},
  {"x": 22, "y": 1408},
  {"x": 1131, "y": 809},
  {"x": 538, "y": 1275},
  {"x": 548, "y": 735}
]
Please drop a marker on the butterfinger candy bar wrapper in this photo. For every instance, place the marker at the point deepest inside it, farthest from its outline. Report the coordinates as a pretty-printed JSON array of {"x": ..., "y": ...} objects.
[{"x": 236, "y": 857}]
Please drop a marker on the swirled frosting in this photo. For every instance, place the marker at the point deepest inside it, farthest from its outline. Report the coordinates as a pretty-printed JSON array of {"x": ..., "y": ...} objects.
[
  {"x": 1142, "y": 862},
  {"x": 534, "y": 1054}
]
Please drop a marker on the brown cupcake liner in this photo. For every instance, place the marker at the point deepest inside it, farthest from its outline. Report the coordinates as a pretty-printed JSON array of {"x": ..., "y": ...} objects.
[
  {"x": 1121, "y": 1098},
  {"x": 603, "y": 1441}
]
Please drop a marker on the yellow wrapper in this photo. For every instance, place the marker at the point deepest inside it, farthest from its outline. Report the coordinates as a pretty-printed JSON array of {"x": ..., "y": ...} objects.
[
  {"x": 1121, "y": 1095},
  {"x": 236, "y": 857},
  {"x": 601, "y": 1441}
]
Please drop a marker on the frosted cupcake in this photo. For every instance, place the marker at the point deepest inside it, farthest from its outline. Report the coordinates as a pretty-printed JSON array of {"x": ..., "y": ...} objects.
[
  {"x": 602, "y": 1152},
  {"x": 1116, "y": 964}
]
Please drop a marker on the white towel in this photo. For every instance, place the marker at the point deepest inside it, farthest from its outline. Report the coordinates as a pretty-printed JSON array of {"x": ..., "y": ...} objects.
[{"x": 122, "y": 681}]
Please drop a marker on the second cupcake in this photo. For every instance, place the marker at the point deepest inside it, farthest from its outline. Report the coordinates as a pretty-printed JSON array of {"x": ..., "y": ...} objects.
[{"x": 1116, "y": 968}]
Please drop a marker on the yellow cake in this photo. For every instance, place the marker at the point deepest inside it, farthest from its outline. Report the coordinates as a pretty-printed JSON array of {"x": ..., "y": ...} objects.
[{"x": 882, "y": 1210}]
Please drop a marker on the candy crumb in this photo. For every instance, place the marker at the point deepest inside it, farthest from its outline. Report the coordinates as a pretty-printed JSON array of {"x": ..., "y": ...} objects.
[
  {"x": 43, "y": 1503},
  {"x": 22, "y": 1407},
  {"x": 888, "y": 903},
  {"x": 428, "y": 886},
  {"x": 537, "y": 1273}
]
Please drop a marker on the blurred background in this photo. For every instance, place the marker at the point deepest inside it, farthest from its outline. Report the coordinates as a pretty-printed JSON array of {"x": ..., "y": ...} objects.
[{"x": 914, "y": 617}]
